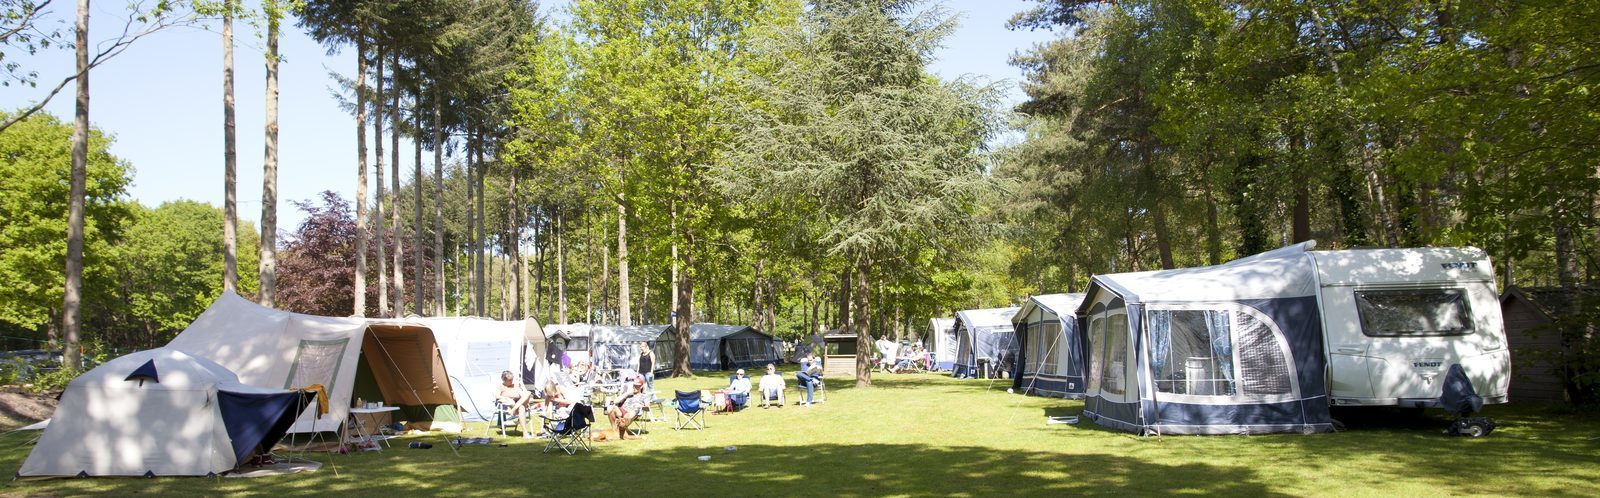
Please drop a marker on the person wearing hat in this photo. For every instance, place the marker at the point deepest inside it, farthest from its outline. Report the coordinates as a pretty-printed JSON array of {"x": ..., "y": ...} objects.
[
  {"x": 738, "y": 390},
  {"x": 624, "y": 410}
]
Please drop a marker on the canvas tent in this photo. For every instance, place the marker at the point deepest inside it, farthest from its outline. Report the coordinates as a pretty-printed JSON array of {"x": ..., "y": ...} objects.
[
  {"x": 1050, "y": 358},
  {"x": 159, "y": 412},
  {"x": 477, "y": 350},
  {"x": 1269, "y": 342},
  {"x": 390, "y": 361},
  {"x": 942, "y": 343},
  {"x": 984, "y": 338},
  {"x": 617, "y": 347},
  {"x": 726, "y": 347}
]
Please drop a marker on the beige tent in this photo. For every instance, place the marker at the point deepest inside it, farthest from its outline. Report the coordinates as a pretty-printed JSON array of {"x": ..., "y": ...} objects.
[
  {"x": 395, "y": 362},
  {"x": 476, "y": 350}
]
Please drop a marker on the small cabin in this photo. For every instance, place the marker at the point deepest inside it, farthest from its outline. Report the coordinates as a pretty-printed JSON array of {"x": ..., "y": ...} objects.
[
  {"x": 839, "y": 355},
  {"x": 1536, "y": 354}
]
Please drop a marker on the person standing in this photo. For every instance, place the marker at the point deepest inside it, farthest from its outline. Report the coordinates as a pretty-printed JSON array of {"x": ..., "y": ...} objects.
[{"x": 647, "y": 367}]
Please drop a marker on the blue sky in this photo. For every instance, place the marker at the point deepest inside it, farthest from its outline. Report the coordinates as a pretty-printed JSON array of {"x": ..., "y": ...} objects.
[{"x": 162, "y": 101}]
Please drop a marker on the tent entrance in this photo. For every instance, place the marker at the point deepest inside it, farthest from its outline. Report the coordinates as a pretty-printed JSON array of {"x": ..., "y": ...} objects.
[{"x": 400, "y": 365}]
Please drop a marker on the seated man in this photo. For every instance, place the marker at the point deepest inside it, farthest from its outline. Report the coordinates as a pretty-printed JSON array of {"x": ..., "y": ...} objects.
[
  {"x": 771, "y": 386},
  {"x": 511, "y": 395},
  {"x": 810, "y": 375},
  {"x": 738, "y": 390},
  {"x": 625, "y": 409}
]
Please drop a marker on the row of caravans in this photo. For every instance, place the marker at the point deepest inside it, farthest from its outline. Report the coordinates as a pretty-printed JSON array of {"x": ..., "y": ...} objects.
[{"x": 1267, "y": 343}]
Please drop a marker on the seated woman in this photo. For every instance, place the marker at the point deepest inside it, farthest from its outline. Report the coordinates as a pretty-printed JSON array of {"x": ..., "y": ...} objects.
[
  {"x": 558, "y": 400},
  {"x": 738, "y": 390},
  {"x": 771, "y": 387},
  {"x": 624, "y": 410}
]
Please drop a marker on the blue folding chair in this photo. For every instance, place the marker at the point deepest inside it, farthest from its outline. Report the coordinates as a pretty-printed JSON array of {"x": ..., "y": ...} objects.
[{"x": 690, "y": 411}]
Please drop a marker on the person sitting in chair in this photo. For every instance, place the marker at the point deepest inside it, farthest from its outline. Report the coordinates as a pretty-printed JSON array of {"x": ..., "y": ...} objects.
[
  {"x": 738, "y": 390},
  {"x": 771, "y": 386},
  {"x": 558, "y": 399},
  {"x": 624, "y": 410},
  {"x": 511, "y": 395},
  {"x": 810, "y": 375}
]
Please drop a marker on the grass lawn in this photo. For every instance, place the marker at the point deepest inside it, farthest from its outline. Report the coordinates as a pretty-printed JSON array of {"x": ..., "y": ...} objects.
[{"x": 932, "y": 435}]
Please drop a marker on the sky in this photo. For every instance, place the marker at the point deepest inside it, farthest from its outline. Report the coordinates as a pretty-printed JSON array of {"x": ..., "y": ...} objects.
[{"x": 161, "y": 100}]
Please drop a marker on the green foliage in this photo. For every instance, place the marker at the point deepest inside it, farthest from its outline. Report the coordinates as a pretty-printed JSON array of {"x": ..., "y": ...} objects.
[
  {"x": 35, "y": 163},
  {"x": 169, "y": 266}
]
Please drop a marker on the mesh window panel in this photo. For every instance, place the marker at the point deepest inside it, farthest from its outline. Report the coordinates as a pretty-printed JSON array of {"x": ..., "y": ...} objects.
[
  {"x": 1116, "y": 365},
  {"x": 1097, "y": 355},
  {"x": 1051, "y": 348},
  {"x": 316, "y": 362},
  {"x": 1185, "y": 359},
  {"x": 1264, "y": 370}
]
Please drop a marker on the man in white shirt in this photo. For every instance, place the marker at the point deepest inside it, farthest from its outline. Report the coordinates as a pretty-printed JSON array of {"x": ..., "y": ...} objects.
[{"x": 771, "y": 386}]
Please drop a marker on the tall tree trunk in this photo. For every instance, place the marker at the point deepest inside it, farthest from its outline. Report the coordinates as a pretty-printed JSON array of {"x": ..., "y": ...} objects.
[
  {"x": 418, "y": 296},
  {"x": 481, "y": 242},
  {"x": 588, "y": 268},
  {"x": 230, "y": 160},
  {"x": 683, "y": 314},
  {"x": 70, "y": 298},
  {"x": 438, "y": 203},
  {"x": 561, "y": 267},
  {"x": 473, "y": 296},
  {"x": 863, "y": 328},
  {"x": 673, "y": 225},
  {"x": 378, "y": 221},
  {"x": 515, "y": 267},
  {"x": 624, "y": 309},
  {"x": 360, "y": 289},
  {"x": 399, "y": 290},
  {"x": 1213, "y": 231},
  {"x": 1163, "y": 238},
  {"x": 268, "y": 279}
]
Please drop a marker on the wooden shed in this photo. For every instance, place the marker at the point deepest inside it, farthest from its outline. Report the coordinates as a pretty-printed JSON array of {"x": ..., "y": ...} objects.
[
  {"x": 1536, "y": 354},
  {"x": 839, "y": 357}
]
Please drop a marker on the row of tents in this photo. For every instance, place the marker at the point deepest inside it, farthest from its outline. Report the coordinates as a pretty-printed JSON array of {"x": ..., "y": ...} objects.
[
  {"x": 243, "y": 376},
  {"x": 1266, "y": 343}
]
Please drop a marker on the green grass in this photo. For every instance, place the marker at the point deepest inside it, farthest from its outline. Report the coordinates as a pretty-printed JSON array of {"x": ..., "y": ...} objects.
[{"x": 926, "y": 435}]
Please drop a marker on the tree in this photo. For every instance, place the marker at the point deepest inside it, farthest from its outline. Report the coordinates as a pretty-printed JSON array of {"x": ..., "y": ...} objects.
[
  {"x": 36, "y": 161},
  {"x": 166, "y": 272},
  {"x": 71, "y": 298},
  {"x": 269, "y": 164},
  {"x": 844, "y": 115},
  {"x": 319, "y": 260},
  {"x": 230, "y": 267}
]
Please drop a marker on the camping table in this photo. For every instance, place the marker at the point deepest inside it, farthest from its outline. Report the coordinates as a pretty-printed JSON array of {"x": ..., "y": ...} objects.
[{"x": 359, "y": 422}]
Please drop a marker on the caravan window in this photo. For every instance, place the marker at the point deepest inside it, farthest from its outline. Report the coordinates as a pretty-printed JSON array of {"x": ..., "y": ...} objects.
[
  {"x": 578, "y": 344},
  {"x": 1413, "y": 312}
]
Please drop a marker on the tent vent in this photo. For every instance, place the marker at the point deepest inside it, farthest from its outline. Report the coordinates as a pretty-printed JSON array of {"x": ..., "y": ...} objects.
[
  {"x": 83, "y": 473},
  {"x": 147, "y": 371},
  {"x": 150, "y": 474}
]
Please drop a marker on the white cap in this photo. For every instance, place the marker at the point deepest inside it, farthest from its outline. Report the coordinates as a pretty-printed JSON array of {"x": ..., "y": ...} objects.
[{"x": 741, "y": 371}]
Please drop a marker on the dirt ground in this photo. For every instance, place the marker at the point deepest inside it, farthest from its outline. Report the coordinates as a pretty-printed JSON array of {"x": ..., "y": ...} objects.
[{"x": 19, "y": 407}]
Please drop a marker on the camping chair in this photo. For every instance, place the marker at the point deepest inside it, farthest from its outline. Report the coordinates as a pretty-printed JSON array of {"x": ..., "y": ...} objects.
[
  {"x": 821, "y": 392},
  {"x": 503, "y": 417},
  {"x": 690, "y": 411},
  {"x": 765, "y": 402},
  {"x": 571, "y": 433}
]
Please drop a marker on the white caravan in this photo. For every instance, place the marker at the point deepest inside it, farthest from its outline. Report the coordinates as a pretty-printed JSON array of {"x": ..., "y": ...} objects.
[{"x": 1395, "y": 320}]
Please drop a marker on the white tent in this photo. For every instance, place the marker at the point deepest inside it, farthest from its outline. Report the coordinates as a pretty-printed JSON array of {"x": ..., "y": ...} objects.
[
  {"x": 942, "y": 344},
  {"x": 476, "y": 351},
  {"x": 159, "y": 412},
  {"x": 397, "y": 362}
]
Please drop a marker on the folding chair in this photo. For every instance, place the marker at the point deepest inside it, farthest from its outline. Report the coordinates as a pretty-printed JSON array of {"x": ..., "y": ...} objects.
[
  {"x": 821, "y": 392},
  {"x": 570, "y": 434},
  {"x": 502, "y": 414},
  {"x": 766, "y": 402},
  {"x": 690, "y": 411}
]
